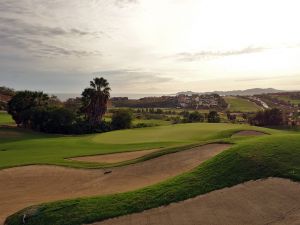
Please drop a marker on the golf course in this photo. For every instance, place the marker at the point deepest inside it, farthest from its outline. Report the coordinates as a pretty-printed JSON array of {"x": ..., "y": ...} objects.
[
  {"x": 238, "y": 104},
  {"x": 81, "y": 179}
]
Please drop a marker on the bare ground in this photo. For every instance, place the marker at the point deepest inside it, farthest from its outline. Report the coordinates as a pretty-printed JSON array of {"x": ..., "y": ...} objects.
[
  {"x": 273, "y": 201},
  {"x": 248, "y": 133},
  {"x": 24, "y": 186},
  {"x": 116, "y": 157}
]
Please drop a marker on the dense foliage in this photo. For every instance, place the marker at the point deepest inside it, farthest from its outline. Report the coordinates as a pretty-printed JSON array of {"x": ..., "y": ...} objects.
[
  {"x": 95, "y": 100},
  {"x": 38, "y": 111},
  {"x": 213, "y": 117},
  {"x": 192, "y": 117},
  {"x": 121, "y": 119},
  {"x": 269, "y": 117},
  {"x": 21, "y": 104}
]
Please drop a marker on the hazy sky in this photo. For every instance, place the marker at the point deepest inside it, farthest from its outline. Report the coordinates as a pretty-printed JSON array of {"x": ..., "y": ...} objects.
[{"x": 150, "y": 46}]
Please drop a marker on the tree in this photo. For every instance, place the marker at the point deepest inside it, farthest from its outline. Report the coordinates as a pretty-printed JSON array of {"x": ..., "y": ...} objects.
[
  {"x": 95, "y": 100},
  {"x": 213, "y": 117},
  {"x": 193, "y": 117},
  {"x": 121, "y": 119},
  {"x": 73, "y": 104},
  {"x": 52, "y": 119},
  {"x": 269, "y": 117},
  {"x": 22, "y": 102}
]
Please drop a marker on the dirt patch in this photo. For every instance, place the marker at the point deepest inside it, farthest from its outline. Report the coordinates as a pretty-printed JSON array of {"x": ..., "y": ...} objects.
[
  {"x": 265, "y": 202},
  {"x": 248, "y": 133},
  {"x": 114, "y": 158},
  {"x": 29, "y": 185}
]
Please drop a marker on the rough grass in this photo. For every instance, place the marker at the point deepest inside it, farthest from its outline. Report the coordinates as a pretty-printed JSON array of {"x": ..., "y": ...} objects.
[
  {"x": 238, "y": 104},
  {"x": 20, "y": 147},
  {"x": 250, "y": 159}
]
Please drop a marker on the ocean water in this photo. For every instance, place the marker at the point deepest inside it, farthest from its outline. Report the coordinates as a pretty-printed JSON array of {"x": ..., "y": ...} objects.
[{"x": 65, "y": 96}]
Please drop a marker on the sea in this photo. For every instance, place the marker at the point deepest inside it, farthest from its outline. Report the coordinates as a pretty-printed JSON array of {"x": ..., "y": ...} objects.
[{"x": 65, "y": 96}]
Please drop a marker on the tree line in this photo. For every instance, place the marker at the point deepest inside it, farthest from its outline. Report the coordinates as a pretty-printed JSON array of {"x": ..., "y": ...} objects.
[{"x": 37, "y": 111}]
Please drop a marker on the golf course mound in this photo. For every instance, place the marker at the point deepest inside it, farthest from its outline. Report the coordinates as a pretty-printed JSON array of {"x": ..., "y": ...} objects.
[
  {"x": 116, "y": 157},
  {"x": 248, "y": 133},
  {"x": 251, "y": 159},
  {"x": 254, "y": 202},
  {"x": 24, "y": 186}
]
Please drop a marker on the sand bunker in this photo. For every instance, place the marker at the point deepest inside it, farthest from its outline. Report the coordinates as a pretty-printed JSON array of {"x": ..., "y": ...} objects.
[
  {"x": 114, "y": 158},
  {"x": 24, "y": 186},
  {"x": 265, "y": 202},
  {"x": 248, "y": 133}
]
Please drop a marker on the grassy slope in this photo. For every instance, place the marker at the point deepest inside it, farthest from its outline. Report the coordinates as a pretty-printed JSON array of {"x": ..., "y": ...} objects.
[
  {"x": 241, "y": 105},
  {"x": 277, "y": 156},
  {"x": 19, "y": 147},
  {"x": 5, "y": 118},
  {"x": 288, "y": 99}
]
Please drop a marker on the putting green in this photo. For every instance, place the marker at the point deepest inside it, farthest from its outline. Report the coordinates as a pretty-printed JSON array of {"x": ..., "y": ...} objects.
[{"x": 20, "y": 147}]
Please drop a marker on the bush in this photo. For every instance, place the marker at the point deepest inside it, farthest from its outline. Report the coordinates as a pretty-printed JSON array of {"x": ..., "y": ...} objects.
[
  {"x": 21, "y": 103},
  {"x": 50, "y": 119},
  {"x": 269, "y": 117},
  {"x": 195, "y": 117},
  {"x": 121, "y": 119},
  {"x": 213, "y": 117}
]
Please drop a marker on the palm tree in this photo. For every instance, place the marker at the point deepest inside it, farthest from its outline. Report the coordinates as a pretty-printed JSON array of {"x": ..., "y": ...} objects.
[{"x": 95, "y": 100}]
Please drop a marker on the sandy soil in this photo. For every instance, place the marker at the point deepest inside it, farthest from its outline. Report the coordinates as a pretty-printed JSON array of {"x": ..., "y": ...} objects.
[
  {"x": 248, "y": 133},
  {"x": 265, "y": 202},
  {"x": 114, "y": 158},
  {"x": 24, "y": 186}
]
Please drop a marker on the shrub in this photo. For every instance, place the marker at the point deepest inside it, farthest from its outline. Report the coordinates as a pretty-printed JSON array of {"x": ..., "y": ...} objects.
[
  {"x": 51, "y": 119},
  {"x": 121, "y": 119},
  {"x": 21, "y": 103},
  {"x": 269, "y": 117},
  {"x": 213, "y": 117}
]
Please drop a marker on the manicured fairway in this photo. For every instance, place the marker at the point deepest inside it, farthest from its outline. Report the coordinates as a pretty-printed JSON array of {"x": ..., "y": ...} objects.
[
  {"x": 19, "y": 147},
  {"x": 237, "y": 104}
]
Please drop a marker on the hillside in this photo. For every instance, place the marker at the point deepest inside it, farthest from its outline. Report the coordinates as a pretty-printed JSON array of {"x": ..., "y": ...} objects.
[
  {"x": 238, "y": 104},
  {"x": 253, "y": 91}
]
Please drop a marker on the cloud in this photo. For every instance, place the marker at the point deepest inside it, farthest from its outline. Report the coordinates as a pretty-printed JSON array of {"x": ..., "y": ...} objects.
[
  {"x": 133, "y": 80},
  {"x": 41, "y": 48},
  {"x": 190, "y": 57},
  {"x": 14, "y": 7},
  {"x": 40, "y": 40},
  {"x": 247, "y": 79},
  {"x": 15, "y": 27},
  {"x": 123, "y": 3}
]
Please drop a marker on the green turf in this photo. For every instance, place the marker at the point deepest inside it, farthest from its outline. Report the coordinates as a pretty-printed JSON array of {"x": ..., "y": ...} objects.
[
  {"x": 5, "y": 118},
  {"x": 276, "y": 155},
  {"x": 151, "y": 122},
  {"x": 237, "y": 104},
  {"x": 19, "y": 147}
]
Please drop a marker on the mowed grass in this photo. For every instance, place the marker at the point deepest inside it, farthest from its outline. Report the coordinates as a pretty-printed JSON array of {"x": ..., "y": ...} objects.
[
  {"x": 238, "y": 104},
  {"x": 21, "y": 147},
  {"x": 5, "y": 118},
  {"x": 276, "y": 155}
]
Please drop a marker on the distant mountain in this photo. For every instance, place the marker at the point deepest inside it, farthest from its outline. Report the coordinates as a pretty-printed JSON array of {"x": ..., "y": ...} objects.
[{"x": 253, "y": 91}]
